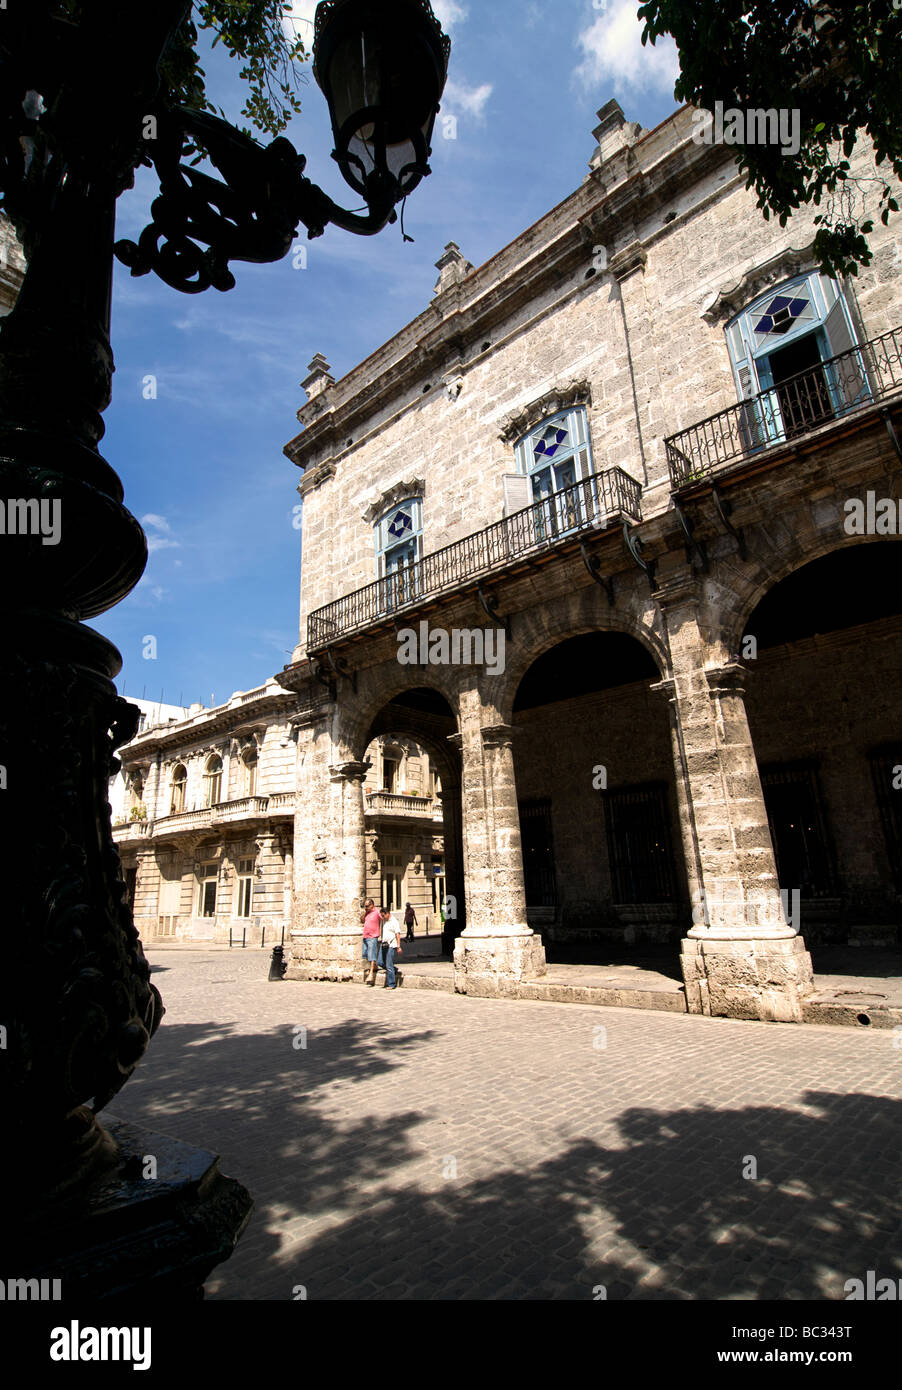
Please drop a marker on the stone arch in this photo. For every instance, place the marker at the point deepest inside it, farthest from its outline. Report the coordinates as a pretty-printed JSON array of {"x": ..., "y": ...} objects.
[
  {"x": 740, "y": 602},
  {"x": 377, "y": 687},
  {"x": 583, "y": 612}
]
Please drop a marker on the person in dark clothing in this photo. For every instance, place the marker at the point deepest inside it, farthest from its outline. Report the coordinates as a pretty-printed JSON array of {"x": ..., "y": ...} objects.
[{"x": 410, "y": 921}]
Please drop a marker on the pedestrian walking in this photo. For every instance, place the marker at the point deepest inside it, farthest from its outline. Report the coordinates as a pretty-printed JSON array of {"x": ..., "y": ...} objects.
[
  {"x": 410, "y": 921},
  {"x": 391, "y": 945},
  {"x": 372, "y": 932}
]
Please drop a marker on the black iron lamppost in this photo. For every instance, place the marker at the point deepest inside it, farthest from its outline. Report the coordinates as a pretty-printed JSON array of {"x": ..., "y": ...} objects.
[{"x": 80, "y": 109}]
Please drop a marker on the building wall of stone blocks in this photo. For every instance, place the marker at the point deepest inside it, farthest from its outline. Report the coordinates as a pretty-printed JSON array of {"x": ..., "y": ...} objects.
[{"x": 617, "y": 331}]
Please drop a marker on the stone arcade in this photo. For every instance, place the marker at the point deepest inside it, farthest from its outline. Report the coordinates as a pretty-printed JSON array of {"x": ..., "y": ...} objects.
[{"x": 628, "y": 465}]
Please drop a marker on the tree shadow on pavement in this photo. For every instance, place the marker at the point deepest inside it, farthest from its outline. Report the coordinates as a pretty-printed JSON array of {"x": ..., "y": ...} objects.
[
  {"x": 760, "y": 1202},
  {"x": 669, "y": 1215}
]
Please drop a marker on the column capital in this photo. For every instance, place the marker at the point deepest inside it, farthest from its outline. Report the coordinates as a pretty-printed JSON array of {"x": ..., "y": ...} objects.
[
  {"x": 666, "y": 688},
  {"x": 456, "y": 741},
  {"x": 497, "y": 735},
  {"x": 728, "y": 679},
  {"x": 678, "y": 591},
  {"x": 349, "y": 772}
]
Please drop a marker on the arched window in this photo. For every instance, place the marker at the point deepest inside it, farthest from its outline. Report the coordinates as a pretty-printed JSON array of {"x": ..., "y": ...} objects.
[
  {"x": 399, "y": 545},
  {"x": 250, "y": 761},
  {"x": 179, "y": 781},
  {"x": 793, "y": 357},
  {"x": 555, "y": 459},
  {"x": 213, "y": 780}
]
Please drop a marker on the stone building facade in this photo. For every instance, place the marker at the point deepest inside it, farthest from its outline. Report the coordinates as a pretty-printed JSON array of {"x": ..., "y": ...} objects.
[
  {"x": 586, "y": 531},
  {"x": 203, "y": 814},
  {"x": 403, "y": 815},
  {"x": 205, "y": 825}
]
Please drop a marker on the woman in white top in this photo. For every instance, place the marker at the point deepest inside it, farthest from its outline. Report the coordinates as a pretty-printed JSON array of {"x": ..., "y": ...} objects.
[{"x": 391, "y": 943}]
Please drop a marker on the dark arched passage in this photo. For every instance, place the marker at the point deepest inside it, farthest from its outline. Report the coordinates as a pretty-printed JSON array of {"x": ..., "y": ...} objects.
[
  {"x": 598, "y": 811},
  {"x": 823, "y": 649}
]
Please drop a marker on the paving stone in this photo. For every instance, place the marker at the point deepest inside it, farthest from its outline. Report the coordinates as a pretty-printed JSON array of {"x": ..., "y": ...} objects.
[{"x": 636, "y": 1192}]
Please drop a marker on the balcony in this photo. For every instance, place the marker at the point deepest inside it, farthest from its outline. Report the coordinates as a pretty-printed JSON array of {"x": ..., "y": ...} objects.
[
  {"x": 593, "y": 504},
  {"x": 403, "y": 804},
  {"x": 832, "y": 390},
  {"x": 248, "y": 808}
]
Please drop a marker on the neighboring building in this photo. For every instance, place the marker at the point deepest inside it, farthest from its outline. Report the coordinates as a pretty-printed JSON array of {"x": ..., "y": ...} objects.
[
  {"x": 202, "y": 810},
  {"x": 405, "y": 860},
  {"x": 126, "y": 792},
  {"x": 630, "y": 443},
  {"x": 205, "y": 830}
]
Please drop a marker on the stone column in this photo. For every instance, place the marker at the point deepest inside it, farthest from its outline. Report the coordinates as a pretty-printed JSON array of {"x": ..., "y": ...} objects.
[
  {"x": 330, "y": 860},
  {"x": 742, "y": 958},
  {"x": 497, "y": 949},
  {"x": 287, "y": 881},
  {"x": 453, "y": 856}
]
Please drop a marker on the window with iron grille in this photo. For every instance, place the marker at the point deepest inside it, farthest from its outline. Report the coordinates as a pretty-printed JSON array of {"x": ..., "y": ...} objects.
[
  {"x": 886, "y": 770},
  {"x": 540, "y": 880},
  {"x": 640, "y": 852},
  {"x": 798, "y": 830}
]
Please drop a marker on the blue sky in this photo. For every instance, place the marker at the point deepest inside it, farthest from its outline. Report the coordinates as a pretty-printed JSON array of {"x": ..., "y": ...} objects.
[{"x": 202, "y": 464}]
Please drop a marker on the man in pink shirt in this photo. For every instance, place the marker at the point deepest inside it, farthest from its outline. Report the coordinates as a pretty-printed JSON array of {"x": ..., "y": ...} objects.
[{"x": 372, "y": 931}]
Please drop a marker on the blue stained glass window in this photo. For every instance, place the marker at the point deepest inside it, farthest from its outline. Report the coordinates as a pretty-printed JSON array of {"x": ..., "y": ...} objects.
[
  {"x": 780, "y": 315},
  {"x": 401, "y": 524},
  {"x": 551, "y": 441}
]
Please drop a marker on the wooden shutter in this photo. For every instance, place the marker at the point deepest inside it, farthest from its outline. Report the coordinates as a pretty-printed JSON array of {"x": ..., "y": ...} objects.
[{"x": 517, "y": 493}]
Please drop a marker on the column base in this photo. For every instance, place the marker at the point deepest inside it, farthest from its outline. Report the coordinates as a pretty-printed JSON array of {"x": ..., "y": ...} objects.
[
  {"x": 142, "y": 1231},
  {"x": 325, "y": 955},
  {"x": 756, "y": 979},
  {"x": 491, "y": 967}
]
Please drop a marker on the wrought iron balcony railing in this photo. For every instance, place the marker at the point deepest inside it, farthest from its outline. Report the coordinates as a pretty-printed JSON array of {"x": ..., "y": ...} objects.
[
  {"x": 589, "y": 505},
  {"x": 828, "y": 391}
]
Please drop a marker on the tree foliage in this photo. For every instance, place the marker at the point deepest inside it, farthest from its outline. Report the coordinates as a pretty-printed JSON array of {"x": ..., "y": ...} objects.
[
  {"x": 253, "y": 33},
  {"x": 836, "y": 63}
]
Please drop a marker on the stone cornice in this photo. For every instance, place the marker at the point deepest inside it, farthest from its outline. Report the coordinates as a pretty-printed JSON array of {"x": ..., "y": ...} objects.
[
  {"x": 729, "y": 301},
  {"x": 520, "y": 422},
  {"x": 614, "y": 199},
  {"x": 184, "y": 740},
  {"x": 319, "y": 475}
]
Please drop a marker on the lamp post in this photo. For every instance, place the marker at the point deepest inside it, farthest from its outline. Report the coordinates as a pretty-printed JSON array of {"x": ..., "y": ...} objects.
[{"x": 80, "y": 109}]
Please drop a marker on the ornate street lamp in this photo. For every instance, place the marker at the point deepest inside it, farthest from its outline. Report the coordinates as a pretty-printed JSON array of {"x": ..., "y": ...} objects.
[
  {"x": 382, "y": 69},
  {"x": 80, "y": 109}
]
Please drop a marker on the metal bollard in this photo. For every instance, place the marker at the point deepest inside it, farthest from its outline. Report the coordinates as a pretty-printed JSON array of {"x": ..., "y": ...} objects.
[{"x": 277, "y": 965}]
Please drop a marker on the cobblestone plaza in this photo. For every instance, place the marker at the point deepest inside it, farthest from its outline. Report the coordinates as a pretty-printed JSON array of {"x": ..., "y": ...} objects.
[{"x": 429, "y": 1146}]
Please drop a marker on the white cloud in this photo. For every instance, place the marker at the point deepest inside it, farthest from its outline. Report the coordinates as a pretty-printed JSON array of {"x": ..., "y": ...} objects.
[
  {"x": 160, "y": 535},
  {"x": 470, "y": 99},
  {"x": 614, "y": 55},
  {"x": 298, "y": 21},
  {"x": 449, "y": 12}
]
